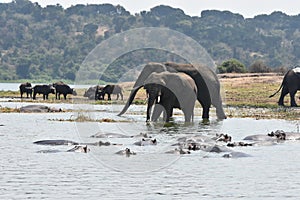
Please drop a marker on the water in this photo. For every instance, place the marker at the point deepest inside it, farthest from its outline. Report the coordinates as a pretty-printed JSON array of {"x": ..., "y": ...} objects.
[{"x": 272, "y": 171}]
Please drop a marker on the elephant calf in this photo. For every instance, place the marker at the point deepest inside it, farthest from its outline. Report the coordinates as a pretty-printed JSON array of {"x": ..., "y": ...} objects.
[{"x": 175, "y": 90}]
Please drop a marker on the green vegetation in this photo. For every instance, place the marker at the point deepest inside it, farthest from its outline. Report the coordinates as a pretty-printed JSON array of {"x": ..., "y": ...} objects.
[
  {"x": 51, "y": 43},
  {"x": 231, "y": 66}
]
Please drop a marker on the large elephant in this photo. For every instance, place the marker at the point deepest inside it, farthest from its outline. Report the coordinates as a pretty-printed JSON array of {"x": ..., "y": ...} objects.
[
  {"x": 175, "y": 90},
  {"x": 207, "y": 83},
  {"x": 290, "y": 84}
]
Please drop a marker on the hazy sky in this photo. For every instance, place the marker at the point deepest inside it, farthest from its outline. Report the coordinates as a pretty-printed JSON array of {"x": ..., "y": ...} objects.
[{"x": 248, "y": 8}]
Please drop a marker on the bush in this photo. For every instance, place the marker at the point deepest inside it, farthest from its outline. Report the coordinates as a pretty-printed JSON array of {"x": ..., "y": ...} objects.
[
  {"x": 259, "y": 67},
  {"x": 232, "y": 66}
]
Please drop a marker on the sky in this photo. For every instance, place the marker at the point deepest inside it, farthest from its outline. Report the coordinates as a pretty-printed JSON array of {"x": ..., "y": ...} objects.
[{"x": 247, "y": 8}]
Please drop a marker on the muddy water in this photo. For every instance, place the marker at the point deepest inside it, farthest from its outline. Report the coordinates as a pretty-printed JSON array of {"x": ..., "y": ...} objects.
[{"x": 270, "y": 172}]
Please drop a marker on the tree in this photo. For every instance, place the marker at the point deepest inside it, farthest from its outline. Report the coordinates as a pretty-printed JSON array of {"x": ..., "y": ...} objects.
[
  {"x": 259, "y": 67},
  {"x": 231, "y": 66}
]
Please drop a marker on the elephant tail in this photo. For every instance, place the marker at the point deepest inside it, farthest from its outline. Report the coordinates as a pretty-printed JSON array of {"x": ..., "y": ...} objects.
[
  {"x": 130, "y": 99},
  {"x": 276, "y": 91}
]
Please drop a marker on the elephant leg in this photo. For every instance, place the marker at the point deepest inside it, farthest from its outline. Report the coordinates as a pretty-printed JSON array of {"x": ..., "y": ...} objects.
[
  {"x": 121, "y": 96},
  {"x": 108, "y": 98},
  {"x": 284, "y": 92},
  {"x": 188, "y": 113},
  {"x": 168, "y": 113},
  {"x": 205, "y": 112},
  {"x": 158, "y": 109},
  {"x": 117, "y": 96},
  {"x": 292, "y": 98},
  {"x": 65, "y": 96}
]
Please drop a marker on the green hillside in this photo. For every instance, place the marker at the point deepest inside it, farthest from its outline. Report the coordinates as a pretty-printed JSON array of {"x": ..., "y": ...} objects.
[{"x": 51, "y": 43}]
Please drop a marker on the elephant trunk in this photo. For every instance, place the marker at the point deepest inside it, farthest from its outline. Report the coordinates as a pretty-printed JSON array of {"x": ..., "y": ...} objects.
[{"x": 130, "y": 99}]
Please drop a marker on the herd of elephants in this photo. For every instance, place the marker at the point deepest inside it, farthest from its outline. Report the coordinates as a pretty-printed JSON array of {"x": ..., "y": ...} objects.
[{"x": 173, "y": 85}]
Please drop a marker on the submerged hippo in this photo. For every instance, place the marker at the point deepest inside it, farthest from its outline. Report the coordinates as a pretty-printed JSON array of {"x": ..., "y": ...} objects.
[
  {"x": 77, "y": 148},
  {"x": 235, "y": 154},
  {"x": 69, "y": 142},
  {"x": 275, "y": 136},
  {"x": 178, "y": 151},
  {"x": 222, "y": 138},
  {"x": 110, "y": 135},
  {"x": 146, "y": 142},
  {"x": 126, "y": 152},
  {"x": 56, "y": 142},
  {"x": 39, "y": 109}
]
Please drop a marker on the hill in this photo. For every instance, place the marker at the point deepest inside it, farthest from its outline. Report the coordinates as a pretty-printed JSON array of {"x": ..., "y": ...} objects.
[{"x": 51, "y": 43}]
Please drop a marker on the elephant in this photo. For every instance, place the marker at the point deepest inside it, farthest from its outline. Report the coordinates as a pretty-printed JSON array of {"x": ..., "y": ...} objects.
[
  {"x": 207, "y": 83},
  {"x": 108, "y": 89},
  {"x": 43, "y": 89},
  {"x": 290, "y": 84},
  {"x": 175, "y": 90},
  {"x": 26, "y": 88},
  {"x": 64, "y": 89}
]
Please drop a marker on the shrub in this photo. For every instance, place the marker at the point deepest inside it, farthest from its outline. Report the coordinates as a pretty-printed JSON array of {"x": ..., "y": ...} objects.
[
  {"x": 231, "y": 66},
  {"x": 259, "y": 67}
]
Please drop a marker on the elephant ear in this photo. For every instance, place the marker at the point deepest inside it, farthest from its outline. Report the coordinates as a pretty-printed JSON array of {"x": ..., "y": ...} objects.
[{"x": 130, "y": 99}]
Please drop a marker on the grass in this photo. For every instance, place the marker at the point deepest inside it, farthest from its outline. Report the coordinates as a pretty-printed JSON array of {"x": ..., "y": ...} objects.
[{"x": 84, "y": 118}]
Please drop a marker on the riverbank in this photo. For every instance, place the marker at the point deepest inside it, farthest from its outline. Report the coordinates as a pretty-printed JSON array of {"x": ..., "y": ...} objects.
[{"x": 244, "y": 95}]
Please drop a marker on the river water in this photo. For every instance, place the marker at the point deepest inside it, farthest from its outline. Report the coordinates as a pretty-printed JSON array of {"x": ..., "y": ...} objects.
[{"x": 271, "y": 171}]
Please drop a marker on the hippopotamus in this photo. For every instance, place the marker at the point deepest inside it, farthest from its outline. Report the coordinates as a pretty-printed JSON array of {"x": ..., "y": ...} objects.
[
  {"x": 56, "y": 142},
  {"x": 118, "y": 135},
  {"x": 214, "y": 148},
  {"x": 110, "y": 135},
  {"x": 239, "y": 144},
  {"x": 222, "y": 138},
  {"x": 69, "y": 142},
  {"x": 77, "y": 148},
  {"x": 146, "y": 142},
  {"x": 126, "y": 152},
  {"x": 235, "y": 154},
  {"x": 178, "y": 151},
  {"x": 38, "y": 108},
  {"x": 278, "y": 135}
]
